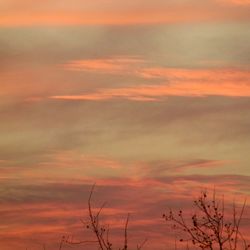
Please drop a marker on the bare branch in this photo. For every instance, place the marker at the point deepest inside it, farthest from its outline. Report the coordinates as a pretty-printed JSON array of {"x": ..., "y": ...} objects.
[
  {"x": 142, "y": 244},
  {"x": 126, "y": 234},
  {"x": 208, "y": 229}
]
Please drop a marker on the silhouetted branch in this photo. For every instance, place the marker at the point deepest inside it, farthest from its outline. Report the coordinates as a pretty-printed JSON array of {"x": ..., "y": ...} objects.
[
  {"x": 142, "y": 244},
  {"x": 100, "y": 231},
  {"x": 126, "y": 234},
  {"x": 209, "y": 229}
]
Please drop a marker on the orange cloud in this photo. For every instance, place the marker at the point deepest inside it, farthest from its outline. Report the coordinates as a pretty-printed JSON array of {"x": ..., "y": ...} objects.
[
  {"x": 113, "y": 65},
  {"x": 154, "y": 168},
  {"x": 196, "y": 74},
  {"x": 67, "y": 159},
  {"x": 179, "y": 82},
  {"x": 114, "y": 16},
  {"x": 237, "y": 2}
]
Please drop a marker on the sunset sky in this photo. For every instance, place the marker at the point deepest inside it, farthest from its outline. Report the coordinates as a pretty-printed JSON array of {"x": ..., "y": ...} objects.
[{"x": 149, "y": 99}]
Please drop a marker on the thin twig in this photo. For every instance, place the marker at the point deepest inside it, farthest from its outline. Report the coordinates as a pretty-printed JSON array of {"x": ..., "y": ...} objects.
[
  {"x": 142, "y": 244},
  {"x": 126, "y": 233}
]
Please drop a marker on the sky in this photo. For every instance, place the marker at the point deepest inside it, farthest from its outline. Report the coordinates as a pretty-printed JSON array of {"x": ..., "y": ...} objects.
[{"x": 149, "y": 99}]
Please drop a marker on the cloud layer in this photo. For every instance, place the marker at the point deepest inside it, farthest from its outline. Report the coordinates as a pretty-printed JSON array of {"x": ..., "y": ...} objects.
[
  {"x": 50, "y": 210},
  {"x": 149, "y": 99},
  {"x": 175, "y": 82},
  {"x": 121, "y": 13}
]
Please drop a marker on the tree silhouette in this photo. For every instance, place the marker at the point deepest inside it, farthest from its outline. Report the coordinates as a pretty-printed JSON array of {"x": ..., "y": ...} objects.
[
  {"x": 208, "y": 227},
  {"x": 100, "y": 231}
]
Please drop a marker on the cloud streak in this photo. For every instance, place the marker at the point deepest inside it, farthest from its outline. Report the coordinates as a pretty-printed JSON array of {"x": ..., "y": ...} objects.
[
  {"x": 113, "y": 65},
  {"x": 237, "y": 2},
  {"x": 156, "y": 92},
  {"x": 120, "y": 13},
  {"x": 229, "y": 82},
  {"x": 168, "y": 167}
]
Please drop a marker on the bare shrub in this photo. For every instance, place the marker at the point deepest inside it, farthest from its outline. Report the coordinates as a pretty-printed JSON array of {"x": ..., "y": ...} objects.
[
  {"x": 100, "y": 231},
  {"x": 208, "y": 227}
]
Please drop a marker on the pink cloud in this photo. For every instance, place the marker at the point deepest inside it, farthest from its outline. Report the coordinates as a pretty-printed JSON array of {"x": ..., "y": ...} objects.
[
  {"x": 69, "y": 158},
  {"x": 112, "y": 65},
  {"x": 96, "y": 16},
  {"x": 145, "y": 198},
  {"x": 176, "y": 82},
  {"x": 237, "y": 2},
  {"x": 176, "y": 166},
  {"x": 156, "y": 92}
]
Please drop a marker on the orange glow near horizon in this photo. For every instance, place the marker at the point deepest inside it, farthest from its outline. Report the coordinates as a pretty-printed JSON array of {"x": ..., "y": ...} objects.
[{"x": 62, "y": 213}]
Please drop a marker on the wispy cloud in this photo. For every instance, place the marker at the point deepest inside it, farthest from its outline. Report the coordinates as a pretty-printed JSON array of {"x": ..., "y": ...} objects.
[
  {"x": 230, "y": 82},
  {"x": 113, "y": 65},
  {"x": 156, "y": 92},
  {"x": 237, "y": 2},
  {"x": 118, "y": 13},
  {"x": 201, "y": 75},
  {"x": 67, "y": 159},
  {"x": 140, "y": 67},
  {"x": 169, "y": 167}
]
